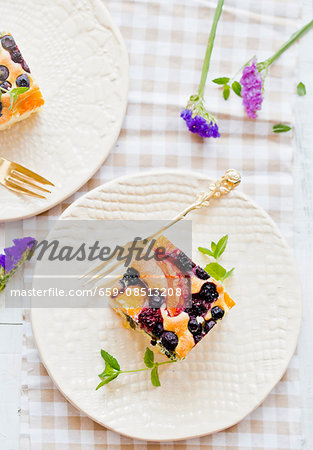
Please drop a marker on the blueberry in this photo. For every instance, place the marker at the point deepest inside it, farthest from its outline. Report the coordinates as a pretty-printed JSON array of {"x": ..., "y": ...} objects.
[
  {"x": 0, "y": 109},
  {"x": 4, "y": 73},
  {"x": 183, "y": 262},
  {"x": 23, "y": 81},
  {"x": 201, "y": 273},
  {"x": 5, "y": 85},
  {"x": 217, "y": 312},
  {"x": 209, "y": 325},
  {"x": 131, "y": 277},
  {"x": 208, "y": 292},
  {"x": 194, "y": 326},
  {"x": 197, "y": 337},
  {"x": 153, "y": 342},
  {"x": 155, "y": 300},
  {"x": 169, "y": 340},
  {"x": 25, "y": 66},
  {"x": 158, "y": 330},
  {"x": 8, "y": 42},
  {"x": 16, "y": 56}
]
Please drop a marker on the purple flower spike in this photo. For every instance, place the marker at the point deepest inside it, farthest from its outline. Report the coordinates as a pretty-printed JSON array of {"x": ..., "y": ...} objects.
[
  {"x": 252, "y": 89},
  {"x": 199, "y": 120}
]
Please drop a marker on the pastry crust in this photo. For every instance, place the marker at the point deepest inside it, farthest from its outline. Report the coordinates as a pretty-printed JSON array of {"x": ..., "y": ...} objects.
[{"x": 27, "y": 102}]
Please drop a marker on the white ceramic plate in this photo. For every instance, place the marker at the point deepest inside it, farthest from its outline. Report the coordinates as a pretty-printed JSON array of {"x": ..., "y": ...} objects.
[
  {"x": 232, "y": 370},
  {"x": 77, "y": 54}
]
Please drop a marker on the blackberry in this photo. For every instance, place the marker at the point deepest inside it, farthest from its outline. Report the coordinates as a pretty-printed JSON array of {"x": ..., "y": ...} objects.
[
  {"x": 169, "y": 340},
  {"x": 201, "y": 273},
  {"x": 209, "y": 325},
  {"x": 199, "y": 307},
  {"x": 149, "y": 318},
  {"x": 208, "y": 292},
  {"x": 217, "y": 312},
  {"x": 182, "y": 262},
  {"x": 130, "y": 278}
]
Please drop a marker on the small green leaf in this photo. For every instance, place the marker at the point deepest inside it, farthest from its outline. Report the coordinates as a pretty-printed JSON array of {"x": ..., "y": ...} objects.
[
  {"x": 149, "y": 358},
  {"x": 226, "y": 91},
  {"x": 227, "y": 274},
  {"x": 281, "y": 128},
  {"x": 236, "y": 87},
  {"x": 301, "y": 89},
  {"x": 216, "y": 271},
  {"x": 110, "y": 360},
  {"x": 205, "y": 251},
  {"x": 222, "y": 80},
  {"x": 213, "y": 246},
  {"x": 14, "y": 93},
  {"x": 107, "y": 371},
  {"x": 155, "y": 377},
  {"x": 220, "y": 246},
  {"x": 107, "y": 380}
]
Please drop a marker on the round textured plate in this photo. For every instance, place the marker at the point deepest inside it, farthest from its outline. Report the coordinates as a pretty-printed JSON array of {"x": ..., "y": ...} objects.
[
  {"x": 78, "y": 57},
  {"x": 232, "y": 370}
]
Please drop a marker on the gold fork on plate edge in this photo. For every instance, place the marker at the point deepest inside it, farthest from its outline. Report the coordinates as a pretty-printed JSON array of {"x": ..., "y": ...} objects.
[
  {"x": 222, "y": 186},
  {"x": 17, "y": 178}
]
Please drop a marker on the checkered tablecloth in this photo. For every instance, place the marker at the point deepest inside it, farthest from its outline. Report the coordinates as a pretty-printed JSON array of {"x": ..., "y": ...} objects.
[{"x": 166, "y": 41}]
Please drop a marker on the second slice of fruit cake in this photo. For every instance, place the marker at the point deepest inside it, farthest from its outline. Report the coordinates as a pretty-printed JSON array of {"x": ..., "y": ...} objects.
[
  {"x": 15, "y": 77},
  {"x": 171, "y": 299}
]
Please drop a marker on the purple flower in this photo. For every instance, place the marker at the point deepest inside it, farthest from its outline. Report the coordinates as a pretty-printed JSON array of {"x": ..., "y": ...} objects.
[
  {"x": 13, "y": 255},
  {"x": 252, "y": 89},
  {"x": 199, "y": 120}
]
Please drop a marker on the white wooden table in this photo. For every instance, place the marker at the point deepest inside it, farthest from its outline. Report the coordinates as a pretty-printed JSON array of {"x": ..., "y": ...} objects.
[{"x": 11, "y": 320}]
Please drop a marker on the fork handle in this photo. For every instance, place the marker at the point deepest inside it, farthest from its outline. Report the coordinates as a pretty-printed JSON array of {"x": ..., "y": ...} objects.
[{"x": 222, "y": 186}]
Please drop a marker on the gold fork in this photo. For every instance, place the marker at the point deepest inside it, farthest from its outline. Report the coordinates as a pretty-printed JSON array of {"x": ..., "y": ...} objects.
[
  {"x": 19, "y": 179},
  {"x": 222, "y": 186}
]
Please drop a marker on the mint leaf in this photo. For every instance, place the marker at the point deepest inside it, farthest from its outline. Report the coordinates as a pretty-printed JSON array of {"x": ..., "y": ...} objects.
[
  {"x": 281, "y": 128},
  {"x": 301, "y": 89},
  {"x": 14, "y": 93},
  {"x": 149, "y": 358},
  {"x": 205, "y": 251},
  {"x": 216, "y": 271},
  {"x": 236, "y": 87},
  {"x": 226, "y": 91},
  {"x": 222, "y": 80},
  {"x": 107, "y": 371},
  {"x": 110, "y": 360},
  {"x": 227, "y": 274},
  {"x": 220, "y": 246},
  {"x": 107, "y": 380},
  {"x": 155, "y": 377},
  {"x": 213, "y": 246}
]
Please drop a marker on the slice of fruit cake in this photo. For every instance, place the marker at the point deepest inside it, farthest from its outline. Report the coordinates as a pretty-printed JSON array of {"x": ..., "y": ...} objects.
[
  {"x": 20, "y": 94},
  {"x": 171, "y": 299}
]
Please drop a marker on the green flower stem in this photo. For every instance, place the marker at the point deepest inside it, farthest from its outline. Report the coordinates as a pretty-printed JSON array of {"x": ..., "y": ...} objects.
[
  {"x": 206, "y": 63},
  {"x": 146, "y": 368},
  {"x": 287, "y": 44}
]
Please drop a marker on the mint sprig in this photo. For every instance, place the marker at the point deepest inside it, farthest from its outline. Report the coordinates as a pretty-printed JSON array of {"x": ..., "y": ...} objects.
[
  {"x": 214, "y": 269},
  {"x": 14, "y": 93},
  {"x": 112, "y": 368}
]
